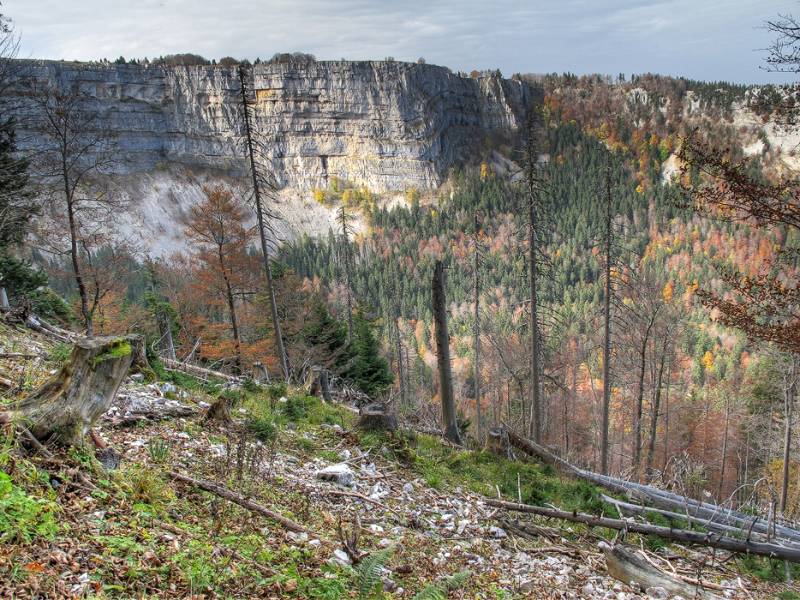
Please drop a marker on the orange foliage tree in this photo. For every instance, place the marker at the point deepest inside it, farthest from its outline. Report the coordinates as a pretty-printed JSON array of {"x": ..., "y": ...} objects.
[{"x": 216, "y": 230}]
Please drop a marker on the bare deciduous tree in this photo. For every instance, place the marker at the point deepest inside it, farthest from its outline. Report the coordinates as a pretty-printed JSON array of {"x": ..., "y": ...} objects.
[{"x": 76, "y": 149}]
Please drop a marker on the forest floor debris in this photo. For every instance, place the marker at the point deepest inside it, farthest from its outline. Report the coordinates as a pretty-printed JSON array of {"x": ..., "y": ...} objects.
[{"x": 419, "y": 508}]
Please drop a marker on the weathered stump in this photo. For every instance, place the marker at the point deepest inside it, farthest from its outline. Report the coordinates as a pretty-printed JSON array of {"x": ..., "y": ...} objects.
[
  {"x": 219, "y": 411},
  {"x": 319, "y": 384},
  {"x": 498, "y": 442},
  {"x": 64, "y": 409},
  {"x": 376, "y": 416}
]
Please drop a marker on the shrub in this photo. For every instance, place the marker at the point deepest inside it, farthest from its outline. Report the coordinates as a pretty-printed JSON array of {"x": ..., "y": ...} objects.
[{"x": 264, "y": 428}]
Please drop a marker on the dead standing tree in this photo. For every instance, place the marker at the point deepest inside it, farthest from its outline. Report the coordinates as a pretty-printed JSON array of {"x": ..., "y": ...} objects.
[
  {"x": 476, "y": 332},
  {"x": 609, "y": 234},
  {"x": 439, "y": 305},
  {"x": 534, "y": 190},
  {"x": 262, "y": 186},
  {"x": 344, "y": 222}
]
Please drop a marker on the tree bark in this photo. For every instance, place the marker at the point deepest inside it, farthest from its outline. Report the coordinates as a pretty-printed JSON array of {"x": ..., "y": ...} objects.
[
  {"x": 64, "y": 409},
  {"x": 450, "y": 424}
]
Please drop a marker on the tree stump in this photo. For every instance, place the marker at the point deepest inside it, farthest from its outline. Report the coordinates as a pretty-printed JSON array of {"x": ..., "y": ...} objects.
[
  {"x": 220, "y": 411},
  {"x": 498, "y": 442},
  {"x": 64, "y": 409},
  {"x": 319, "y": 384},
  {"x": 376, "y": 416}
]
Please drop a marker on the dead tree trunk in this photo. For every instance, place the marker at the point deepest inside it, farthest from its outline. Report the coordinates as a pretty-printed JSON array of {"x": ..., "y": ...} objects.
[
  {"x": 606, "y": 335},
  {"x": 651, "y": 445},
  {"x": 65, "y": 408},
  {"x": 787, "y": 437},
  {"x": 685, "y": 536},
  {"x": 477, "y": 331},
  {"x": 662, "y": 499},
  {"x": 637, "y": 426},
  {"x": 535, "y": 424},
  {"x": 450, "y": 424},
  {"x": 273, "y": 306}
]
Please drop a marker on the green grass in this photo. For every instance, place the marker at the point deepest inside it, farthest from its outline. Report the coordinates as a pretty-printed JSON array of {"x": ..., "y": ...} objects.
[
  {"x": 768, "y": 569},
  {"x": 24, "y": 517},
  {"x": 442, "y": 466}
]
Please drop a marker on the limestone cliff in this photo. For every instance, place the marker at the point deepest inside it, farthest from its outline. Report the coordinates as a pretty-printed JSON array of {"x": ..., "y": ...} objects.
[{"x": 386, "y": 126}]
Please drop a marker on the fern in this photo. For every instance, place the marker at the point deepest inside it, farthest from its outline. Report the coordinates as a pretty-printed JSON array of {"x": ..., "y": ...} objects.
[
  {"x": 438, "y": 591},
  {"x": 369, "y": 572}
]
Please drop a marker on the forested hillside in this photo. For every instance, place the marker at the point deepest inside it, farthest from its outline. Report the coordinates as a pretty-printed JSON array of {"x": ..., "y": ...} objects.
[
  {"x": 541, "y": 299},
  {"x": 701, "y": 386}
]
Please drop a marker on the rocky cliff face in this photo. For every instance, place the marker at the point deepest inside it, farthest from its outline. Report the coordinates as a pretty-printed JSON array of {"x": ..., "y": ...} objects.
[{"x": 386, "y": 126}]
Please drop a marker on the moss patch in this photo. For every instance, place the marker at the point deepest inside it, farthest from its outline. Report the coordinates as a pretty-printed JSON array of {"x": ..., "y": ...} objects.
[{"x": 118, "y": 349}]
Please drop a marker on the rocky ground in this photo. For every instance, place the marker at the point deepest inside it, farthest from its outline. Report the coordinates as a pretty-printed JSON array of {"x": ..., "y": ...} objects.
[{"x": 407, "y": 506}]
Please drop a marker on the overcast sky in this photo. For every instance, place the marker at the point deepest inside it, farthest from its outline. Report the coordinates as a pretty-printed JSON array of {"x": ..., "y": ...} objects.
[{"x": 703, "y": 39}]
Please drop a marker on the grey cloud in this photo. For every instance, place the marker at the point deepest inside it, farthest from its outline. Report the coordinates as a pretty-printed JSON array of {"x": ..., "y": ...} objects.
[{"x": 707, "y": 39}]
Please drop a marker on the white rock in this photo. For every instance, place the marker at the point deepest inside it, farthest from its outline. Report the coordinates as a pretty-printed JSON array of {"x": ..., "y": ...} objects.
[
  {"x": 339, "y": 473},
  {"x": 657, "y": 593},
  {"x": 385, "y": 542},
  {"x": 498, "y": 532},
  {"x": 408, "y": 488},
  {"x": 341, "y": 557}
]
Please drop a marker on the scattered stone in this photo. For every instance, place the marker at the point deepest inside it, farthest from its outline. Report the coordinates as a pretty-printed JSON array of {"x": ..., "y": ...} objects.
[{"x": 341, "y": 557}]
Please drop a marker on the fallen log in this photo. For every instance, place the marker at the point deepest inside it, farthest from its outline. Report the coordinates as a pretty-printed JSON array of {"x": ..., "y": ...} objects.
[
  {"x": 626, "y": 566},
  {"x": 636, "y": 509},
  {"x": 242, "y": 501},
  {"x": 709, "y": 539},
  {"x": 41, "y": 326},
  {"x": 65, "y": 407},
  {"x": 652, "y": 496},
  {"x": 195, "y": 371}
]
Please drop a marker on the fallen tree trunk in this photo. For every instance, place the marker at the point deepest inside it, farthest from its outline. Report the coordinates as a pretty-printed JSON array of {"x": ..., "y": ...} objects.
[
  {"x": 65, "y": 407},
  {"x": 629, "y": 568},
  {"x": 652, "y": 496},
  {"x": 636, "y": 509},
  {"x": 45, "y": 328},
  {"x": 242, "y": 501},
  {"x": 195, "y": 371},
  {"x": 712, "y": 540}
]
